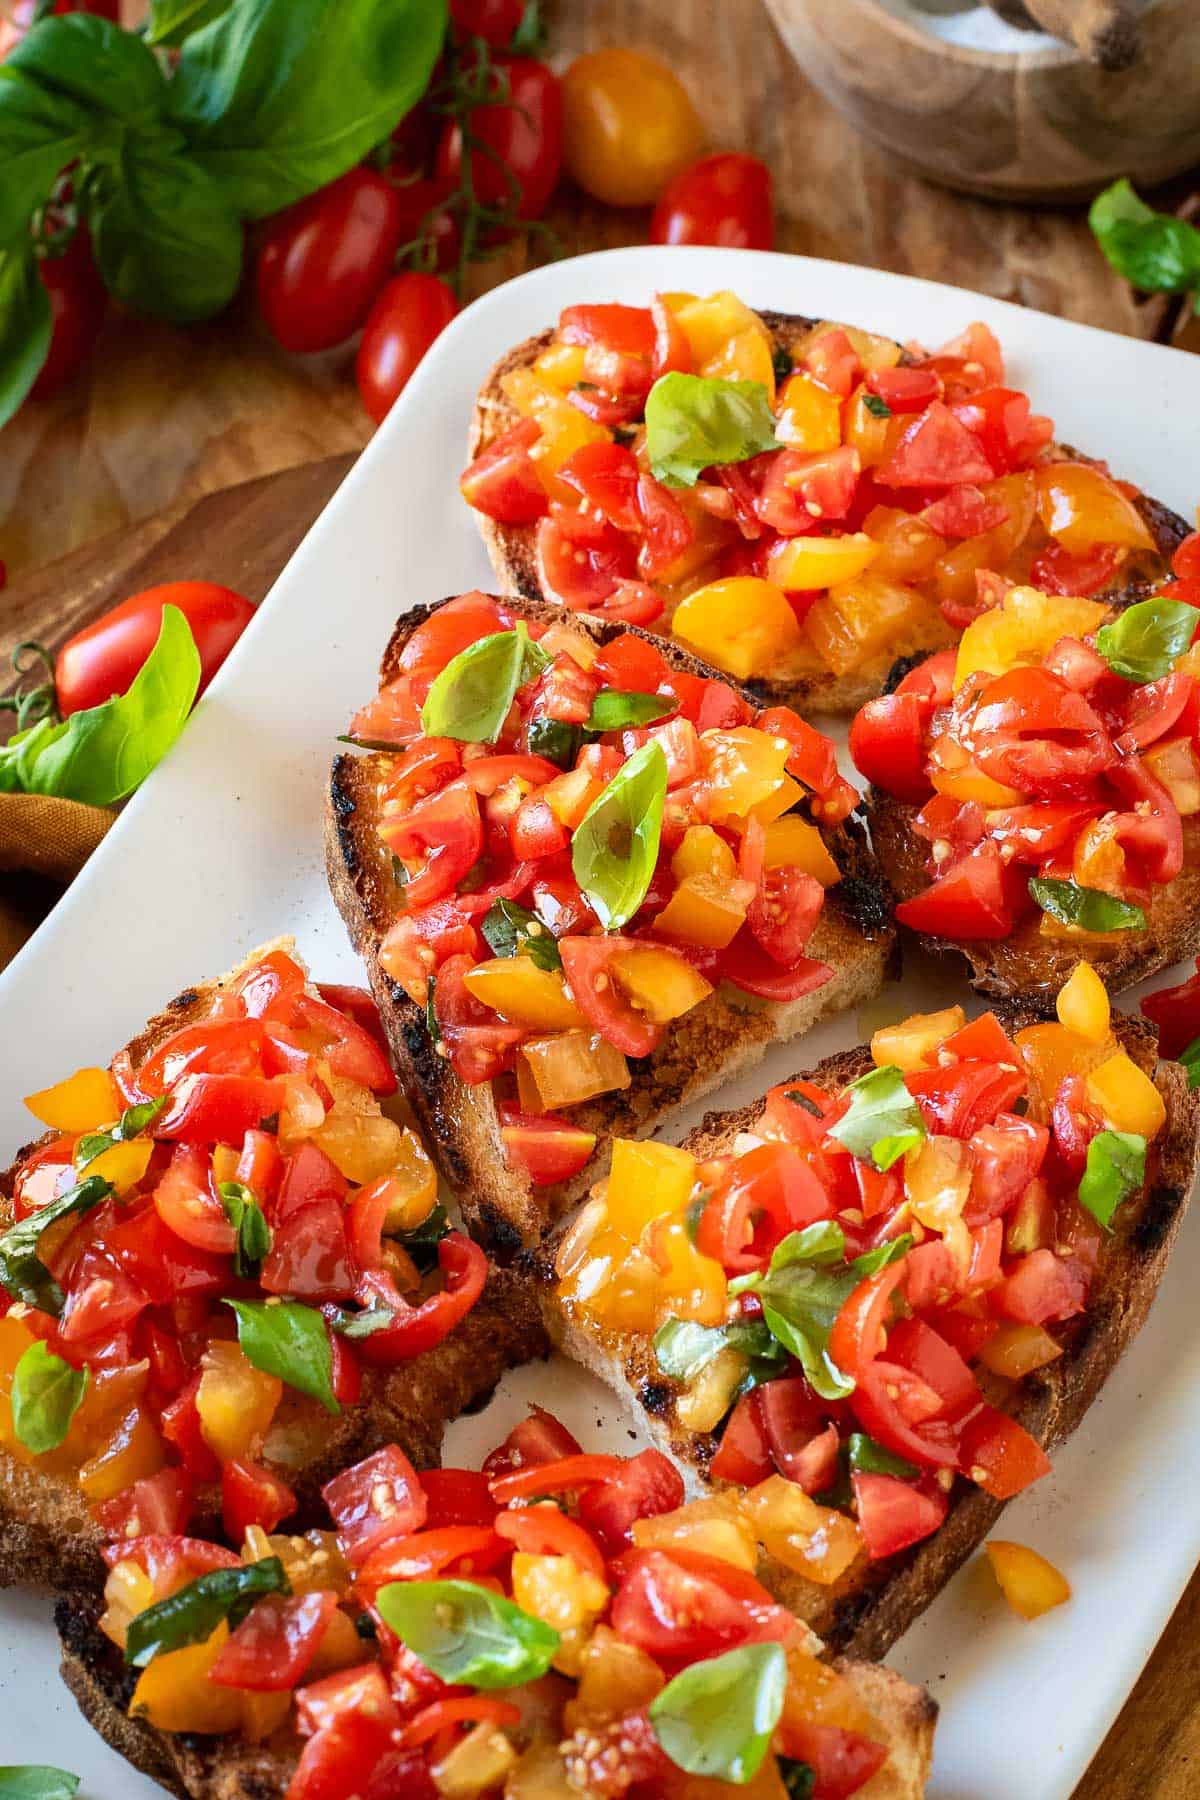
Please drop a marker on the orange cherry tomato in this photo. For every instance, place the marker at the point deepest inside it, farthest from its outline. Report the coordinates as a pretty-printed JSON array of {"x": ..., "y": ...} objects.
[{"x": 628, "y": 126}]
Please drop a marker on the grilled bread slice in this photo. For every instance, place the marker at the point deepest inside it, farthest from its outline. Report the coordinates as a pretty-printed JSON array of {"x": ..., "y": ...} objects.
[
  {"x": 199, "y": 1768},
  {"x": 47, "y": 1533},
  {"x": 709, "y": 1045},
  {"x": 864, "y": 1612},
  {"x": 513, "y": 555}
]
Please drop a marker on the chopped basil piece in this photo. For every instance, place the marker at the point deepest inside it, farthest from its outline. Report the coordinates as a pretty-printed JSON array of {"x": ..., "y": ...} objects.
[
  {"x": 694, "y": 423},
  {"x": 717, "y": 1717},
  {"x": 781, "y": 362},
  {"x": 1190, "y": 1058},
  {"x": 613, "y": 711},
  {"x": 871, "y": 1261},
  {"x": 802, "y": 1292},
  {"x": 362, "y": 1324},
  {"x": 46, "y": 1395},
  {"x": 133, "y": 1122},
  {"x": 694, "y": 1212},
  {"x": 473, "y": 695},
  {"x": 684, "y": 1348},
  {"x": 1088, "y": 908},
  {"x": 509, "y": 929},
  {"x": 554, "y": 739},
  {"x": 36, "y": 1781},
  {"x": 1116, "y": 1168},
  {"x": 615, "y": 847},
  {"x": 870, "y": 1458},
  {"x": 423, "y": 1239},
  {"x": 1143, "y": 642},
  {"x": 799, "y": 1099},
  {"x": 1154, "y": 251},
  {"x": 193, "y": 1614},
  {"x": 466, "y": 1634},
  {"x": 254, "y": 1235},
  {"x": 877, "y": 406},
  {"x": 284, "y": 1338},
  {"x": 798, "y": 1778},
  {"x": 883, "y": 1120},
  {"x": 22, "y": 1274}
]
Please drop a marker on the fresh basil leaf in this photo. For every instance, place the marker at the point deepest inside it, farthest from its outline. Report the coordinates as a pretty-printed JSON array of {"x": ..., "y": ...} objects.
[
  {"x": 802, "y": 1292},
  {"x": 870, "y": 1458},
  {"x": 100, "y": 755},
  {"x": 473, "y": 695},
  {"x": 684, "y": 1348},
  {"x": 871, "y": 1261},
  {"x": 24, "y": 341},
  {"x": 877, "y": 406},
  {"x": 614, "y": 711},
  {"x": 554, "y": 739},
  {"x": 429, "y": 1233},
  {"x": 362, "y": 1324},
  {"x": 693, "y": 422},
  {"x": 1088, "y": 908},
  {"x": 509, "y": 929},
  {"x": 1190, "y": 1058},
  {"x": 90, "y": 71},
  {"x": 171, "y": 21},
  {"x": 289, "y": 1340},
  {"x": 716, "y": 1718},
  {"x": 254, "y": 1235},
  {"x": 36, "y": 1781},
  {"x": 466, "y": 1634},
  {"x": 46, "y": 1394},
  {"x": 883, "y": 1120},
  {"x": 168, "y": 242},
  {"x": 22, "y": 1273},
  {"x": 279, "y": 97},
  {"x": 42, "y": 129},
  {"x": 798, "y": 1778},
  {"x": 1143, "y": 642},
  {"x": 193, "y": 1614},
  {"x": 804, "y": 1100},
  {"x": 1153, "y": 251},
  {"x": 615, "y": 847},
  {"x": 132, "y": 1123},
  {"x": 1116, "y": 1168}
]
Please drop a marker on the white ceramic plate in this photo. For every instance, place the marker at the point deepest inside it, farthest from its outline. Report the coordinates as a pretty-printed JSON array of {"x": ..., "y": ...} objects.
[{"x": 222, "y": 849}]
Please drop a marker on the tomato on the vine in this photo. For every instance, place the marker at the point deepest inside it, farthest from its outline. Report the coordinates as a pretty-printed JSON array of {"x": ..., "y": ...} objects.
[
  {"x": 520, "y": 138},
  {"x": 492, "y": 20},
  {"x": 325, "y": 259},
  {"x": 409, "y": 312},
  {"x": 103, "y": 658},
  {"x": 723, "y": 199},
  {"x": 78, "y": 302},
  {"x": 628, "y": 126}
]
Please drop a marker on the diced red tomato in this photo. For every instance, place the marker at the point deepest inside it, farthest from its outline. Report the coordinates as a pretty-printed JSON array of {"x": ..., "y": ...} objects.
[
  {"x": 749, "y": 967},
  {"x": 270, "y": 1651},
  {"x": 310, "y": 1254},
  {"x": 458, "y": 1497},
  {"x": 253, "y": 1495},
  {"x": 936, "y": 451},
  {"x": 744, "y": 1453},
  {"x": 1040, "y": 1288},
  {"x": 217, "y": 1109},
  {"x": 377, "y": 1499},
  {"x": 464, "y": 1270},
  {"x": 645, "y": 1485},
  {"x": 548, "y": 1149},
  {"x": 538, "y": 1439},
  {"x": 973, "y": 899},
  {"x": 1176, "y": 1012},
  {"x": 999, "y": 1455},
  {"x": 769, "y": 1192},
  {"x": 679, "y": 1606},
  {"x": 158, "y": 1505},
  {"x": 502, "y": 482},
  {"x": 887, "y": 743},
  {"x": 478, "y": 1045},
  {"x": 893, "y": 1514},
  {"x": 443, "y": 835},
  {"x": 905, "y": 390}
]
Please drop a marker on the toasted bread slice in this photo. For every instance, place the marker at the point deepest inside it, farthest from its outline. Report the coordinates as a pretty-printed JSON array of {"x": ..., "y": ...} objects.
[
  {"x": 47, "y": 1533},
  {"x": 233, "y": 1769},
  {"x": 512, "y": 547},
  {"x": 873, "y": 1603},
  {"x": 711, "y": 1044}
]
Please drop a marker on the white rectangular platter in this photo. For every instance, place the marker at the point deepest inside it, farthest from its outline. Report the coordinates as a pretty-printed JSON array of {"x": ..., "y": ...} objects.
[{"x": 222, "y": 849}]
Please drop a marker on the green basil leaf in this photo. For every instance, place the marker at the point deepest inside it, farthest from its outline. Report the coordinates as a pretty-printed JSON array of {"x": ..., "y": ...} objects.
[
  {"x": 1116, "y": 1168},
  {"x": 46, "y": 1395},
  {"x": 1190, "y": 1058},
  {"x": 557, "y": 741},
  {"x": 429, "y": 1233},
  {"x": 693, "y": 422},
  {"x": 509, "y": 929},
  {"x": 36, "y": 1781},
  {"x": 92, "y": 72},
  {"x": 171, "y": 21},
  {"x": 279, "y": 97},
  {"x": 870, "y": 1458},
  {"x": 877, "y": 406},
  {"x": 362, "y": 1324},
  {"x": 24, "y": 343},
  {"x": 684, "y": 1348},
  {"x": 1143, "y": 642},
  {"x": 798, "y": 1778},
  {"x": 254, "y": 1235},
  {"x": 467, "y": 1634},
  {"x": 883, "y": 1120},
  {"x": 804, "y": 1100},
  {"x": 290, "y": 1340},
  {"x": 101, "y": 755},
  {"x": 473, "y": 695},
  {"x": 168, "y": 241},
  {"x": 133, "y": 1122},
  {"x": 802, "y": 1292},
  {"x": 41, "y": 131},
  {"x": 716, "y": 1718},
  {"x": 1154, "y": 251},
  {"x": 613, "y": 711},
  {"x": 22, "y": 1273},
  {"x": 871, "y": 1261},
  {"x": 1089, "y": 908},
  {"x": 615, "y": 847},
  {"x": 193, "y": 1614}
]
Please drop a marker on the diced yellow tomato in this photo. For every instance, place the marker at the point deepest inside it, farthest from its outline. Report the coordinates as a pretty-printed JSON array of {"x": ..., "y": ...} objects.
[
  {"x": 1098, "y": 860},
  {"x": 567, "y": 1067},
  {"x": 647, "y": 1181},
  {"x": 556, "y": 1590},
  {"x": 540, "y": 1774},
  {"x": 915, "y": 1041},
  {"x": 1030, "y": 1224},
  {"x": 15, "y": 1340},
  {"x": 803, "y": 563},
  {"x": 174, "y": 1693},
  {"x": 872, "y": 435},
  {"x": 1082, "y": 1005},
  {"x": 1080, "y": 506},
  {"x": 340, "y": 1647},
  {"x": 708, "y": 910},
  {"x": 969, "y": 782},
  {"x": 860, "y": 619},
  {"x": 619, "y": 1285},
  {"x": 692, "y": 1285},
  {"x": 739, "y": 624},
  {"x": 746, "y": 357},
  {"x": 1022, "y": 629},
  {"x": 708, "y": 1397},
  {"x": 1017, "y": 1350},
  {"x": 816, "y": 1541},
  {"x": 1126, "y": 1096},
  {"x": 123, "y": 1164},
  {"x": 82, "y": 1102},
  {"x": 263, "y": 1714},
  {"x": 570, "y": 794},
  {"x": 808, "y": 416},
  {"x": 1050, "y": 1053},
  {"x": 416, "y": 1185},
  {"x": 1175, "y": 765},
  {"x": 523, "y": 993},
  {"x": 1029, "y": 1583},
  {"x": 615, "y": 1678},
  {"x": 561, "y": 365},
  {"x": 236, "y": 1402},
  {"x": 475, "y": 1764},
  {"x": 744, "y": 767},
  {"x": 937, "y": 1181},
  {"x": 312, "y": 1563},
  {"x": 658, "y": 982},
  {"x": 714, "y": 1526},
  {"x": 874, "y": 352},
  {"x": 133, "y": 1451},
  {"x": 110, "y": 1395},
  {"x": 908, "y": 547},
  {"x": 128, "y": 1591},
  {"x": 710, "y": 323},
  {"x": 792, "y": 843},
  {"x": 560, "y": 640},
  {"x": 820, "y": 1695},
  {"x": 564, "y": 429},
  {"x": 355, "y": 1135},
  {"x": 703, "y": 852},
  {"x": 225, "y": 1159}
]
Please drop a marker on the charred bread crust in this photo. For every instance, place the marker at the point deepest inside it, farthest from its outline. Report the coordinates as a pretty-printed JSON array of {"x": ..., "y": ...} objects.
[
  {"x": 711, "y": 1044},
  {"x": 512, "y": 553},
  {"x": 868, "y": 1609}
]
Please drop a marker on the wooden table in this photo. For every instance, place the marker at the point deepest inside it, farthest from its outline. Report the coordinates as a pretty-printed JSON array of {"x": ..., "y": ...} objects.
[{"x": 163, "y": 418}]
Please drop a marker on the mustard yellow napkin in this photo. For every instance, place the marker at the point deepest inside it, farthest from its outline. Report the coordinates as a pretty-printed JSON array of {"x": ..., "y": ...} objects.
[{"x": 43, "y": 845}]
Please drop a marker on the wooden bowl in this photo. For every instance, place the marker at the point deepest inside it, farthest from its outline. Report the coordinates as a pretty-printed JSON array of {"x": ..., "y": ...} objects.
[{"x": 1035, "y": 123}]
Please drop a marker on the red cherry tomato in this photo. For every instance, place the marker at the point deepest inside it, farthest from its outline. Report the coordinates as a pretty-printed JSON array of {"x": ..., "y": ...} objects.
[
  {"x": 324, "y": 260},
  {"x": 408, "y": 314},
  {"x": 492, "y": 20},
  {"x": 77, "y": 306},
  {"x": 523, "y": 139},
  {"x": 723, "y": 199},
  {"x": 103, "y": 658}
]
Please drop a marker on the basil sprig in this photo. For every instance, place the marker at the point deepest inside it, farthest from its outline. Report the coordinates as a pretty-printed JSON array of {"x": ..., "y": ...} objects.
[
  {"x": 46, "y": 1394},
  {"x": 132, "y": 1123},
  {"x": 22, "y": 1273},
  {"x": 289, "y": 1340},
  {"x": 36, "y": 1781},
  {"x": 614, "y": 711},
  {"x": 254, "y": 1235},
  {"x": 1143, "y": 643},
  {"x": 1154, "y": 251},
  {"x": 615, "y": 846},
  {"x": 1089, "y": 908},
  {"x": 1116, "y": 1168},
  {"x": 694, "y": 423},
  {"x": 466, "y": 1634},
  {"x": 510, "y": 929},
  {"x": 473, "y": 695},
  {"x": 883, "y": 1120},
  {"x": 193, "y": 1614},
  {"x": 717, "y": 1717}
]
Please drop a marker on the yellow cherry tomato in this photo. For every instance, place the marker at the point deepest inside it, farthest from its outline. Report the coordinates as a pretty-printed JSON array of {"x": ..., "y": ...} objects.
[{"x": 628, "y": 126}]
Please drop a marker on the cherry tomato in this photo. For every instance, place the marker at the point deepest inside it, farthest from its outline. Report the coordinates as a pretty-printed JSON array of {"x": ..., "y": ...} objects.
[
  {"x": 78, "y": 302},
  {"x": 723, "y": 199},
  {"x": 492, "y": 20},
  {"x": 324, "y": 260},
  {"x": 408, "y": 314},
  {"x": 523, "y": 138},
  {"x": 545, "y": 1148},
  {"x": 628, "y": 126},
  {"x": 418, "y": 1328},
  {"x": 103, "y": 658},
  {"x": 187, "y": 1202}
]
